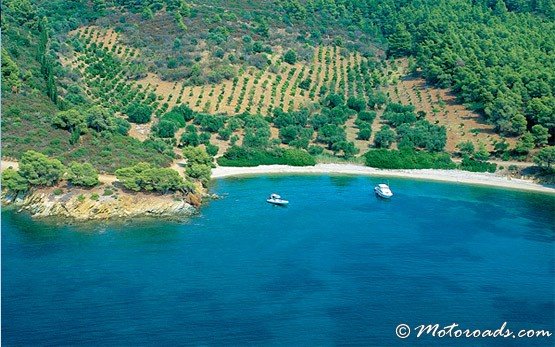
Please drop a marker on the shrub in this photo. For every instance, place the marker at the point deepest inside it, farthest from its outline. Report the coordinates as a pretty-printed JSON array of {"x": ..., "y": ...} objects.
[
  {"x": 469, "y": 164},
  {"x": 190, "y": 136},
  {"x": 396, "y": 119},
  {"x": 364, "y": 134},
  {"x": 82, "y": 174},
  {"x": 144, "y": 176},
  {"x": 122, "y": 126},
  {"x": 224, "y": 133},
  {"x": 164, "y": 128},
  {"x": 209, "y": 122},
  {"x": 357, "y": 104},
  {"x": 545, "y": 158},
  {"x": 57, "y": 191},
  {"x": 95, "y": 197},
  {"x": 330, "y": 134},
  {"x": 290, "y": 57},
  {"x": 12, "y": 180},
  {"x": 185, "y": 112},
  {"x": 38, "y": 169},
  {"x": 139, "y": 113},
  {"x": 243, "y": 156},
  {"x": 174, "y": 117},
  {"x": 408, "y": 159},
  {"x": 333, "y": 100},
  {"x": 212, "y": 149},
  {"x": 423, "y": 134},
  {"x": 384, "y": 137},
  {"x": 199, "y": 163},
  {"x": 367, "y": 116},
  {"x": 108, "y": 192}
]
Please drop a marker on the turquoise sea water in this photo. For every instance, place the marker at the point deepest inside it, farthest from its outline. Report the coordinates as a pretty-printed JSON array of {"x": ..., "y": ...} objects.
[{"x": 338, "y": 266}]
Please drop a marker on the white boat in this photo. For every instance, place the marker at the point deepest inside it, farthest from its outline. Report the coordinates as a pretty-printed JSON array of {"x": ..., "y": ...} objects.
[
  {"x": 277, "y": 200},
  {"x": 383, "y": 190}
]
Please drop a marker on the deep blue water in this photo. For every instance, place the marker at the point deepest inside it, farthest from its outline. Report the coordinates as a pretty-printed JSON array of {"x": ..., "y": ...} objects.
[{"x": 338, "y": 266}]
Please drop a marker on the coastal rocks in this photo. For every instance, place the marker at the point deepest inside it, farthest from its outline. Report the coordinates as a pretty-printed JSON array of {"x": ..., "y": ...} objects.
[{"x": 82, "y": 205}]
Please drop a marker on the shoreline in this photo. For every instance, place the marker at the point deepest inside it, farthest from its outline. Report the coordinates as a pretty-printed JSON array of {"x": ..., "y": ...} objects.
[{"x": 453, "y": 176}]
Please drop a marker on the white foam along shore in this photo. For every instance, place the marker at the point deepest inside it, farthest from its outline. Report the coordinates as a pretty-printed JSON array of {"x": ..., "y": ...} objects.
[{"x": 456, "y": 176}]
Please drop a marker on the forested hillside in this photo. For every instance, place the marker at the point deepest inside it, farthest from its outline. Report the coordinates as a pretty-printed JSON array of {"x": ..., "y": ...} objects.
[{"x": 115, "y": 83}]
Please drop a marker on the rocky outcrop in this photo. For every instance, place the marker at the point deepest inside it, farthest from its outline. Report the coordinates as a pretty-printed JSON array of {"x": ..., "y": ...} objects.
[{"x": 87, "y": 205}]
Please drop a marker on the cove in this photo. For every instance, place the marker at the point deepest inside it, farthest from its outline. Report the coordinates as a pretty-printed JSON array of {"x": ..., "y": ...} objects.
[{"x": 338, "y": 266}]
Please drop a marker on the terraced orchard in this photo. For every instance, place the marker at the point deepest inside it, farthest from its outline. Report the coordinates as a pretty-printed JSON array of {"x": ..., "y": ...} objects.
[
  {"x": 107, "y": 66},
  {"x": 440, "y": 107}
]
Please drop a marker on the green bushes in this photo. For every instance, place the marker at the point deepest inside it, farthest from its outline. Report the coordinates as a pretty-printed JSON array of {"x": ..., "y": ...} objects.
[
  {"x": 330, "y": 134},
  {"x": 385, "y": 137},
  {"x": 545, "y": 158},
  {"x": 469, "y": 164},
  {"x": 357, "y": 104},
  {"x": 290, "y": 57},
  {"x": 165, "y": 128},
  {"x": 199, "y": 163},
  {"x": 242, "y": 156},
  {"x": 407, "y": 159},
  {"x": 82, "y": 174},
  {"x": 184, "y": 111},
  {"x": 367, "y": 116},
  {"x": 209, "y": 122},
  {"x": 13, "y": 181},
  {"x": 144, "y": 176},
  {"x": 40, "y": 170},
  {"x": 190, "y": 136},
  {"x": 423, "y": 134},
  {"x": 364, "y": 134},
  {"x": 139, "y": 113},
  {"x": 174, "y": 117}
]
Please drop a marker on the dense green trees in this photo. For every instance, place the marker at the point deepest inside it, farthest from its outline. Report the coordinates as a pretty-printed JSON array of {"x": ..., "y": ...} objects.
[
  {"x": 165, "y": 128},
  {"x": 144, "y": 176},
  {"x": 545, "y": 158},
  {"x": 10, "y": 72},
  {"x": 139, "y": 113},
  {"x": 385, "y": 137},
  {"x": 72, "y": 120},
  {"x": 99, "y": 119},
  {"x": 290, "y": 57},
  {"x": 40, "y": 170},
  {"x": 541, "y": 135},
  {"x": 357, "y": 104},
  {"x": 190, "y": 136},
  {"x": 245, "y": 156},
  {"x": 210, "y": 123},
  {"x": 496, "y": 55},
  {"x": 82, "y": 174},
  {"x": 13, "y": 181},
  {"x": 331, "y": 134},
  {"x": 199, "y": 163},
  {"x": 422, "y": 134}
]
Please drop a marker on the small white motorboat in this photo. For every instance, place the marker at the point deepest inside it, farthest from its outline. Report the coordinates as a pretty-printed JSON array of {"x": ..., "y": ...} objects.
[
  {"x": 277, "y": 200},
  {"x": 383, "y": 190}
]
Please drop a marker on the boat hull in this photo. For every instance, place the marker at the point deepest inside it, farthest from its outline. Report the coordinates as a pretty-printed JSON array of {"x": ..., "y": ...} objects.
[
  {"x": 382, "y": 195},
  {"x": 278, "y": 203}
]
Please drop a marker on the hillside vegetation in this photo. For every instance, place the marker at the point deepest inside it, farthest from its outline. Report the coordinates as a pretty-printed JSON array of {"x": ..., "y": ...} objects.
[{"x": 117, "y": 83}]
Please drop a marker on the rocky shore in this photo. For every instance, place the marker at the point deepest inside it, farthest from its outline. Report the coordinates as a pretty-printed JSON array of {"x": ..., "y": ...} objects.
[{"x": 81, "y": 204}]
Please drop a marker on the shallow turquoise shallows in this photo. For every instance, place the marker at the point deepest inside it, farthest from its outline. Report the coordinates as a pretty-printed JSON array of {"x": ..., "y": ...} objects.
[{"x": 338, "y": 266}]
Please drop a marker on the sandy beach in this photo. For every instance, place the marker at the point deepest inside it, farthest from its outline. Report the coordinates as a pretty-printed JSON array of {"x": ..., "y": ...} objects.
[{"x": 457, "y": 176}]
